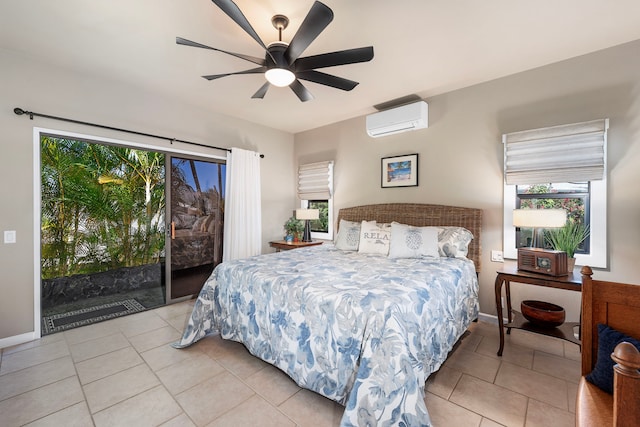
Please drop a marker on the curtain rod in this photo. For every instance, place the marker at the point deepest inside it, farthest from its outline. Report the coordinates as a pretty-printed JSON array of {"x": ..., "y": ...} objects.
[{"x": 31, "y": 114}]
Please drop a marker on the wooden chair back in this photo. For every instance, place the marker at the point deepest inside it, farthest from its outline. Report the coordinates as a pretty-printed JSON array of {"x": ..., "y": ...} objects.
[{"x": 610, "y": 303}]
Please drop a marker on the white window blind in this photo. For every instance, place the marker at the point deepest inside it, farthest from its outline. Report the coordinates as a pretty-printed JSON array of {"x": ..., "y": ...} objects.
[
  {"x": 315, "y": 181},
  {"x": 566, "y": 153}
]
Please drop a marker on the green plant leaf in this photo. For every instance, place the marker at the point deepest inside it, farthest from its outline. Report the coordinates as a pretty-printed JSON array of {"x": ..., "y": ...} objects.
[{"x": 567, "y": 238}]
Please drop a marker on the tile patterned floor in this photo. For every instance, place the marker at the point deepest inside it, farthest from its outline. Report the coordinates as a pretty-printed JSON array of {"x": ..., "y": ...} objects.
[{"x": 122, "y": 372}]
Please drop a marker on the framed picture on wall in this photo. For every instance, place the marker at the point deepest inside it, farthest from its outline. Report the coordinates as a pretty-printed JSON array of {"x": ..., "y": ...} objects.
[{"x": 400, "y": 171}]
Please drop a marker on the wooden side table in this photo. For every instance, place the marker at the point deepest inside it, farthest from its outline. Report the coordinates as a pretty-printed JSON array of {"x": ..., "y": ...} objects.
[
  {"x": 510, "y": 273},
  {"x": 283, "y": 245}
]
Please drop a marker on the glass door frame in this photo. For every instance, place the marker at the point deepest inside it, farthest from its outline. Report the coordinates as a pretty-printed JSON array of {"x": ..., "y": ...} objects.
[
  {"x": 38, "y": 132},
  {"x": 168, "y": 218}
]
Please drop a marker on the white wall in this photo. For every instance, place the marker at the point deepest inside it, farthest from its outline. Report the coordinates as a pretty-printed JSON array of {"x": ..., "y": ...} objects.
[
  {"x": 461, "y": 154},
  {"x": 65, "y": 93}
]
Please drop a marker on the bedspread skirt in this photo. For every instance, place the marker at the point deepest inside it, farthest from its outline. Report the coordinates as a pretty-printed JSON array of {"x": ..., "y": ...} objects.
[{"x": 363, "y": 330}]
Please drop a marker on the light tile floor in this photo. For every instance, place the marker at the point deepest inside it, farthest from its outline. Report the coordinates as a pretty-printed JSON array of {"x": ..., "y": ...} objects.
[{"x": 123, "y": 372}]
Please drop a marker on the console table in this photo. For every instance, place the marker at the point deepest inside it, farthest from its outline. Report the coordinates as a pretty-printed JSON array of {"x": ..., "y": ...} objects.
[{"x": 510, "y": 273}]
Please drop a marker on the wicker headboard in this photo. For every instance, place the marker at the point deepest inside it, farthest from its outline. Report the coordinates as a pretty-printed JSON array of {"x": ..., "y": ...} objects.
[{"x": 421, "y": 215}]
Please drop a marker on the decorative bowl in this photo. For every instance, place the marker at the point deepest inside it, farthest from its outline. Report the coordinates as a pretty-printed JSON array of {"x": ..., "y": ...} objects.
[{"x": 543, "y": 314}]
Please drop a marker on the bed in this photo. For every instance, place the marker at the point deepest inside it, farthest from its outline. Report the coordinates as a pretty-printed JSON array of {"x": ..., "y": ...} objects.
[{"x": 363, "y": 329}]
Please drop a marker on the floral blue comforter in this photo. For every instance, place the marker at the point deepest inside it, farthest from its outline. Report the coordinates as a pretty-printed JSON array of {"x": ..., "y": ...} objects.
[{"x": 361, "y": 329}]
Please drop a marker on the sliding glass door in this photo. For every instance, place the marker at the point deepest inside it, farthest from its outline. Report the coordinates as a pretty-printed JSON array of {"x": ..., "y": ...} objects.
[
  {"x": 196, "y": 227},
  {"x": 123, "y": 229},
  {"x": 102, "y": 231}
]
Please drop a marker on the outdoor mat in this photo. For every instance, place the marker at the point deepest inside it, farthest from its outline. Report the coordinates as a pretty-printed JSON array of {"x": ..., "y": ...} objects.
[{"x": 87, "y": 316}]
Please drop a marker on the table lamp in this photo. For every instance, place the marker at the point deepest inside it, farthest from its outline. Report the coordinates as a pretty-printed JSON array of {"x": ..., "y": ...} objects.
[
  {"x": 539, "y": 219},
  {"x": 307, "y": 215}
]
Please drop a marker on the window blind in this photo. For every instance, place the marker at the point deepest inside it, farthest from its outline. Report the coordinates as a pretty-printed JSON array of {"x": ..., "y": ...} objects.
[
  {"x": 315, "y": 181},
  {"x": 566, "y": 153}
]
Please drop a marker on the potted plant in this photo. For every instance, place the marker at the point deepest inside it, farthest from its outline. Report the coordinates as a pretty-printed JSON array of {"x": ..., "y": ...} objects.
[
  {"x": 293, "y": 227},
  {"x": 567, "y": 238}
]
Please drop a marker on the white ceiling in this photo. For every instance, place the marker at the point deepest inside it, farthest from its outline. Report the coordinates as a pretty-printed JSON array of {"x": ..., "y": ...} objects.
[{"x": 423, "y": 47}]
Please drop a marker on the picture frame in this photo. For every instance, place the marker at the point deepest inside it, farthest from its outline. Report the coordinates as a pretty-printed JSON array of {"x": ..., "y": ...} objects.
[{"x": 399, "y": 171}]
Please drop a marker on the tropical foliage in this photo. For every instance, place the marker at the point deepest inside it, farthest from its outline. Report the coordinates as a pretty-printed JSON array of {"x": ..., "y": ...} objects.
[
  {"x": 567, "y": 238},
  {"x": 102, "y": 207},
  {"x": 322, "y": 223},
  {"x": 572, "y": 205}
]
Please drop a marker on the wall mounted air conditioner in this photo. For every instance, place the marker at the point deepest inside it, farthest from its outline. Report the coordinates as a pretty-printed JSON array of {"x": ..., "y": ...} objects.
[{"x": 399, "y": 119}]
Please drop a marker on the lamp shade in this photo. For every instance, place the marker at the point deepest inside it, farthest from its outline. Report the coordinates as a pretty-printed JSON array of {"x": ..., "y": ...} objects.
[
  {"x": 307, "y": 214},
  {"x": 539, "y": 218}
]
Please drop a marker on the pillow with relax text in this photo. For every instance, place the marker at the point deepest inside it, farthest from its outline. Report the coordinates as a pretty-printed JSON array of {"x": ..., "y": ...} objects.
[
  {"x": 374, "y": 238},
  {"x": 608, "y": 339}
]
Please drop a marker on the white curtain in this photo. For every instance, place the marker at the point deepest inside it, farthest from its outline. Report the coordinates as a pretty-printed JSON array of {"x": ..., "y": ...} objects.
[{"x": 243, "y": 215}]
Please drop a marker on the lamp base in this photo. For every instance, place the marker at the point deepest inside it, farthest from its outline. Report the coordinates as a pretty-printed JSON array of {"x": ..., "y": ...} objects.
[{"x": 306, "y": 237}]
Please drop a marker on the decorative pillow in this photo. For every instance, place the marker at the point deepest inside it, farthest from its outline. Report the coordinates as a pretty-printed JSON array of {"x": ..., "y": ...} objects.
[
  {"x": 348, "y": 235},
  {"x": 207, "y": 222},
  {"x": 211, "y": 228},
  {"x": 197, "y": 226},
  {"x": 608, "y": 339},
  {"x": 374, "y": 238},
  {"x": 453, "y": 242},
  {"x": 413, "y": 242},
  {"x": 183, "y": 220}
]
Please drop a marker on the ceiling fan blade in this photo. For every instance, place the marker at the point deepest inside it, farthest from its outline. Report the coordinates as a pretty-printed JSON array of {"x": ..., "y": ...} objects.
[
  {"x": 303, "y": 94},
  {"x": 233, "y": 11},
  {"x": 327, "y": 79},
  {"x": 342, "y": 57},
  {"x": 185, "y": 42},
  {"x": 262, "y": 91},
  {"x": 314, "y": 23},
  {"x": 258, "y": 70}
]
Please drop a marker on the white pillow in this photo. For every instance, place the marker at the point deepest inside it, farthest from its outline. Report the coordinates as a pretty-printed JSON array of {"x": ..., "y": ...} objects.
[
  {"x": 453, "y": 242},
  {"x": 413, "y": 242},
  {"x": 374, "y": 238},
  {"x": 348, "y": 235}
]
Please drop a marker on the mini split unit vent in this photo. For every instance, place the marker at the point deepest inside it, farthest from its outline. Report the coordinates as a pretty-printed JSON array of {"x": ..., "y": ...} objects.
[{"x": 400, "y": 119}]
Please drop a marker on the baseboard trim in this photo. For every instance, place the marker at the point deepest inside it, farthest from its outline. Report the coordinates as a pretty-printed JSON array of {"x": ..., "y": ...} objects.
[
  {"x": 489, "y": 318},
  {"x": 17, "y": 339}
]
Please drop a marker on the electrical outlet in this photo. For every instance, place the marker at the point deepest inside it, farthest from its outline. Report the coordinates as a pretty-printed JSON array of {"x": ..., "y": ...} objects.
[
  {"x": 496, "y": 256},
  {"x": 10, "y": 236}
]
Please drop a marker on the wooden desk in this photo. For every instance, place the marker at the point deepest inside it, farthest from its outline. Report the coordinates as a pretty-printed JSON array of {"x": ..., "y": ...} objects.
[
  {"x": 282, "y": 245},
  {"x": 510, "y": 273}
]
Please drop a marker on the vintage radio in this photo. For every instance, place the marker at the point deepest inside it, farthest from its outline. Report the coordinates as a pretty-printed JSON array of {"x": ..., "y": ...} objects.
[{"x": 536, "y": 260}]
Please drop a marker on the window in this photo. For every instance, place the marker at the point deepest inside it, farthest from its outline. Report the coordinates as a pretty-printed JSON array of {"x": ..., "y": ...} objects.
[
  {"x": 593, "y": 255},
  {"x": 320, "y": 228},
  {"x": 571, "y": 197},
  {"x": 320, "y": 225},
  {"x": 559, "y": 167},
  {"x": 315, "y": 190}
]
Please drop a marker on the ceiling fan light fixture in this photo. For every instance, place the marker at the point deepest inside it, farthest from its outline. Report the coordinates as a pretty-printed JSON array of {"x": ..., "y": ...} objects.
[
  {"x": 280, "y": 77},
  {"x": 282, "y": 64}
]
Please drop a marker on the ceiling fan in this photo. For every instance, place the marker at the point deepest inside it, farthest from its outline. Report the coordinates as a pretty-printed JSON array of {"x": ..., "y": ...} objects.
[{"x": 282, "y": 64}]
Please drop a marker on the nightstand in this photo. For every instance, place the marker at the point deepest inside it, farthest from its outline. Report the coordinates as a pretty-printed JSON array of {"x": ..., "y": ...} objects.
[
  {"x": 282, "y": 245},
  {"x": 510, "y": 273}
]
